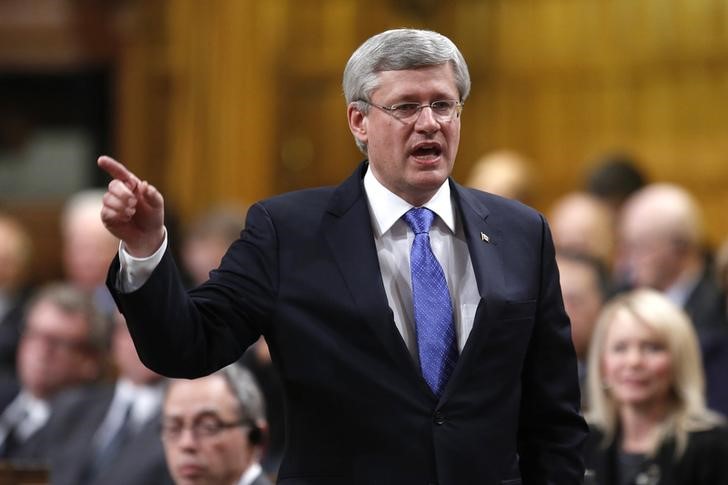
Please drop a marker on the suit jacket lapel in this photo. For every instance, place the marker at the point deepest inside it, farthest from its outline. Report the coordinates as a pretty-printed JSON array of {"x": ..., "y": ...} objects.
[
  {"x": 483, "y": 239},
  {"x": 347, "y": 229}
]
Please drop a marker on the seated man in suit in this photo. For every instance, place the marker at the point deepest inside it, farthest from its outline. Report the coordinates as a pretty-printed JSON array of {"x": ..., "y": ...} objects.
[
  {"x": 212, "y": 429},
  {"x": 63, "y": 345},
  {"x": 662, "y": 244},
  {"x": 86, "y": 246},
  {"x": 108, "y": 434},
  {"x": 417, "y": 325}
]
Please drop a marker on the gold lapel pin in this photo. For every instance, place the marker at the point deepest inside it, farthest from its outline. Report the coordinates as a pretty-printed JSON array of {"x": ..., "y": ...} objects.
[{"x": 484, "y": 237}]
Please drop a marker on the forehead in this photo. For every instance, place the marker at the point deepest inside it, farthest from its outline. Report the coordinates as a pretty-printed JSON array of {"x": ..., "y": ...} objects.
[
  {"x": 188, "y": 398},
  {"x": 626, "y": 325},
  {"x": 438, "y": 80},
  {"x": 46, "y": 315}
]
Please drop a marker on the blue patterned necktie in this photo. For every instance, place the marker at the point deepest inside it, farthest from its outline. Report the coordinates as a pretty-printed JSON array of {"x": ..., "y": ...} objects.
[{"x": 432, "y": 305}]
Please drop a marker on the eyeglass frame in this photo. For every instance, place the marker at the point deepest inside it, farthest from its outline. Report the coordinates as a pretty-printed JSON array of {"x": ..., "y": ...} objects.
[
  {"x": 57, "y": 343},
  {"x": 391, "y": 110},
  {"x": 199, "y": 428}
]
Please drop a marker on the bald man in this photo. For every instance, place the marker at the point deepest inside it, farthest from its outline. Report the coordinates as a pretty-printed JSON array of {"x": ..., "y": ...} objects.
[{"x": 661, "y": 244}]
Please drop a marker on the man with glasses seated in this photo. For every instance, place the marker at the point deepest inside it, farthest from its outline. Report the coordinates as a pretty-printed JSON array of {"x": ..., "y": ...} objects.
[
  {"x": 213, "y": 429},
  {"x": 62, "y": 346},
  {"x": 417, "y": 325}
]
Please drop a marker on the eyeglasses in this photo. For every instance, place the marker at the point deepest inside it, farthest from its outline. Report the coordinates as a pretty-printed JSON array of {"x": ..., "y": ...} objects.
[
  {"x": 56, "y": 342},
  {"x": 202, "y": 427},
  {"x": 444, "y": 110}
]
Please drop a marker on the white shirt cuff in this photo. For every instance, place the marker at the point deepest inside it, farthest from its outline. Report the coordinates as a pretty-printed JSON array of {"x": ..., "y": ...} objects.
[{"x": 134, "y": 272}]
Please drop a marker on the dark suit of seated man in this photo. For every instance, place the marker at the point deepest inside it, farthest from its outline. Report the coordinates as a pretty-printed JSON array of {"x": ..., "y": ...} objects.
[
  {"x": 417, "y": 325},
  {"x": 62, "y": 345},
  {"x": 108, "y": 434}
]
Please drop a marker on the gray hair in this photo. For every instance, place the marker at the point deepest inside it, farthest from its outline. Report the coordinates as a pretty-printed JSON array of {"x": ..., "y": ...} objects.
[
  {"x": 73, "y": 301},
  {"x": 396, "y": 50},
  {"x": 244, "y": 387},
  {"x": 82, "y": 202}
]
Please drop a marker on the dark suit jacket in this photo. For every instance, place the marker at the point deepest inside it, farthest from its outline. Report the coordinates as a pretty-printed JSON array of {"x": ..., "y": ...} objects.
[
  {"x": 706, "y": 304},
  {"x": 34, "y": 450},
  {"x": 10, "y": 327},
  {"x": 78, "y": 415},
  {"x": 704, "y": 461},
  {"x": 305, "y": 274}
]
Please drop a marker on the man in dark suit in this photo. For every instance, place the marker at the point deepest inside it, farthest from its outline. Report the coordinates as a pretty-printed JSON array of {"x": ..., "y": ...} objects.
[
  {"x": 213, "y": 429},
  {"x": 662, "y": 244},
  {"x": 62, "y": 346},
  {"x": 417, "y": 325},
  {"x": 109, "y": 433}
]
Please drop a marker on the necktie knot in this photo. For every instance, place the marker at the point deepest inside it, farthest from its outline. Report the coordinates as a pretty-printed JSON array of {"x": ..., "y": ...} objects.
[{"x": 419, "y": 219}]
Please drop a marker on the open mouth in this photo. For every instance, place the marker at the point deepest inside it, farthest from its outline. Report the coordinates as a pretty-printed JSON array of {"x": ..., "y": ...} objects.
[{"x": 427, "y": 151}]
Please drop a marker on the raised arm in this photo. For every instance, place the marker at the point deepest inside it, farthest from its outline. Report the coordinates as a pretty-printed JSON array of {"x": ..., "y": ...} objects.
[{"x": 133, "y": 209}]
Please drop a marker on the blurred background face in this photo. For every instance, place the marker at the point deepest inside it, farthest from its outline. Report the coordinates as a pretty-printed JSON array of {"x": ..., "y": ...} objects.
[
  {"x": 582, "y": 299},
  {"x": 88, "y": 249},
  {"x": 54, "y": 351},
  {"x": 194, "y": 459},
  {"x": 203, "y": 254},
  {"x": 651, "y": 260},
  {"x": 636, "y": 364},
  {"x": 125, "y": 355}
]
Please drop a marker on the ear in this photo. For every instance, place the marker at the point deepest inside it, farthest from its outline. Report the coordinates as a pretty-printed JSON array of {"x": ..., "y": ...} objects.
[{"x": 358, "y": 122}]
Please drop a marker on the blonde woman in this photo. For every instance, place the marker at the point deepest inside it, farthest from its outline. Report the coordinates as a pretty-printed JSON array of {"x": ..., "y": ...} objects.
[{"x": 649, "y": 422}]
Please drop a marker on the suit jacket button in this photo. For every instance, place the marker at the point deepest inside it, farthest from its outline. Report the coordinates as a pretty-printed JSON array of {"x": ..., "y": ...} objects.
[{"x": 438, "y": 418}]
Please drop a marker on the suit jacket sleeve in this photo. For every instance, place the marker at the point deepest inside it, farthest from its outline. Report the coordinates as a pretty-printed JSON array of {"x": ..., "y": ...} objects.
[{"x": 190, "y": 334}]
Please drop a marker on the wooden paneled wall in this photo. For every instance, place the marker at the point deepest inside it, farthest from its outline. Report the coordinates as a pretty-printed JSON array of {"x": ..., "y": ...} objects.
[{"x": 241, "y": 99}]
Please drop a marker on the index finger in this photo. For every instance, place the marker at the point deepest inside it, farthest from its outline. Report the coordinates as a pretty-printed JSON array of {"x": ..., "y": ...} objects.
[{"x": 118, "y": 171}]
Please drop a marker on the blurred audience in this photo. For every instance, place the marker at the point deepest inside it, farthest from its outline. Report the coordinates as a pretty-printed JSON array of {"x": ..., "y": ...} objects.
[
  {"x": 584, "y": 289},
  {"x": 208, "y": 238},
  {"x": 88, "y": 247},
  {"x": 721, "y": 268},
  {"x": 110, "y": 431},
  {"x": 613, "y": 178},
  {"x": 62, "y": 345},
  {"x": 581, "y": 223},
  {"x": 647, "y": 411},
  {"x": 15, "y": 251},
  {"x": 213, "y": 429},
  {"x": 662, "y": 245},
  {"x": 505, "y": 173}
]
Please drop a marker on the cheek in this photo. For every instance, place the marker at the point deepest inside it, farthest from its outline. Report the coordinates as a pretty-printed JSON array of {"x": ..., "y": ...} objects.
[{"x": 662, "y": 368}]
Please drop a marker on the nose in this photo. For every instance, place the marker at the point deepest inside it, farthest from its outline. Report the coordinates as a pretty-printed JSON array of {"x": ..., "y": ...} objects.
[
  {"x": 633, "y": 356},
  {"x": 426, "y": 121},
  {"x": 187, "y": 438}
]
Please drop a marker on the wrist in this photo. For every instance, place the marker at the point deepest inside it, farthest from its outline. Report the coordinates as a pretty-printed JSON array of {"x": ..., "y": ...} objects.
[{"x": 146, "y": 247}]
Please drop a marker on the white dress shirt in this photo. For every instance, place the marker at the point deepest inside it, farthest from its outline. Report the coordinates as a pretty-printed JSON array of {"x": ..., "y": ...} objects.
[
  {"x": 251, "y": 474},
  {"x": 26, "y": 414},
  {"x": 393, "y": 240},
  {"x": 145, "y": 402}
]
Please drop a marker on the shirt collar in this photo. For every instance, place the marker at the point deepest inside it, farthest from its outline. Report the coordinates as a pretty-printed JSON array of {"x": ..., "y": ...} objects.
[
  {"x": 387, "y": 208},
  {"x": 253, "y": 471}
]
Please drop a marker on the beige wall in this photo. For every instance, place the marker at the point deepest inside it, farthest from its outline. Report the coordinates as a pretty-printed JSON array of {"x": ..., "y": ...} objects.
[{"x": 241, "y": 98}]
